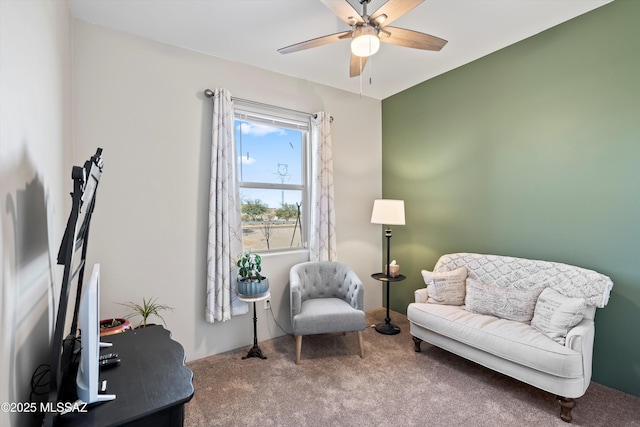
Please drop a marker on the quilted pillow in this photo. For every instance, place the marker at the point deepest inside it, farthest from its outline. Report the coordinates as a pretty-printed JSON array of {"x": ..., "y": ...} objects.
[
  {"x": 505, "y": 303},
  {"x": 555, "y": 314},
  {"x": 447, "y": 287}
]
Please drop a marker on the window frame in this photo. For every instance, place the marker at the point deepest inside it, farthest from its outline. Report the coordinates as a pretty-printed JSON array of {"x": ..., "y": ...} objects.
[{"x": 278, "y": 117}]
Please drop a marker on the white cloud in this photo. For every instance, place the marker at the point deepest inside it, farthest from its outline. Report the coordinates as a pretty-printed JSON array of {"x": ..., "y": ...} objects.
[
  {"x": 247, "y": 160},
  {"x": 259, "y": 130}
]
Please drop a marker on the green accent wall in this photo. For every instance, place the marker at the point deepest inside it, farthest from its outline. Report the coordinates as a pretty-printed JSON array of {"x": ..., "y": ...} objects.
[{"x": 532, "y": 151}]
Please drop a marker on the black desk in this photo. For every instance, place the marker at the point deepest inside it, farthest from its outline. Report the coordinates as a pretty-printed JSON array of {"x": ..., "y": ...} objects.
[{"x": 151, "y": 383}]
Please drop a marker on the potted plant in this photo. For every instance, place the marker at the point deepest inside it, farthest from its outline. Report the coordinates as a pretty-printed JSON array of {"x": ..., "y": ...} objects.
[
  {"x": 250, "y": 282},
  {"x": 113, "y": 326},
  {"x": 148, "y": 308}
]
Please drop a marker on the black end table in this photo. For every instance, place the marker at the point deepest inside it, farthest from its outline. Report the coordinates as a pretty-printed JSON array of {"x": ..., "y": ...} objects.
[
  {"x": 255, "y": 351},
  {"x": 387, "y": 327}
]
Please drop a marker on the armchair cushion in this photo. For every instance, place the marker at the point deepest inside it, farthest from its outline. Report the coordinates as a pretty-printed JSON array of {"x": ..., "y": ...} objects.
[{"x": 324, "y": 315}]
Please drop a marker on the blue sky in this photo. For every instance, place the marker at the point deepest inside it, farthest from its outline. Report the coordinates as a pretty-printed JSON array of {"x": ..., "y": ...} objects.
[{"x": 269, "y": 154}]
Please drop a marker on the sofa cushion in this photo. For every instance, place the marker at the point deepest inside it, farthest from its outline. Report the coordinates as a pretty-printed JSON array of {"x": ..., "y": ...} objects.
[
  {"x": 514, "y": 341},
  {"x": 555, "y": 314},
  {"x": 447, "y": 287},
  {"x": 506, "y": 303}
]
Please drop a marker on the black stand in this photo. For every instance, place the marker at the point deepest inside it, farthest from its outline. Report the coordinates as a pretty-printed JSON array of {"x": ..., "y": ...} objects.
[
  {"x": 255, "y": 350},
  {"x": 387, "y": 327}
]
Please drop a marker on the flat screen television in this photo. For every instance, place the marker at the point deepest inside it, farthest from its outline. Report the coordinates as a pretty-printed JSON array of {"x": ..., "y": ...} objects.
[
  {"x": 87, "y": 380},
  {"x": 65, "y": 345}
]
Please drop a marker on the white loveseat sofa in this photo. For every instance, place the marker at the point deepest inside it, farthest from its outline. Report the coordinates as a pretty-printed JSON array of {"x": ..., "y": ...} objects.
[{"x": 471, "y": 300}]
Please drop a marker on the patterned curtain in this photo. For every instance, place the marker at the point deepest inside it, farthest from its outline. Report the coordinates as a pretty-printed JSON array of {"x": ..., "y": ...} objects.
[
  {"x": 322, "y": 242},
  {"x": 225, "y": 223}
]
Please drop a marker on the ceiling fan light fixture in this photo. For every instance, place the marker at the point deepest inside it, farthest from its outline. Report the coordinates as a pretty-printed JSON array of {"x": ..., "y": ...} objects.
[
  {"x": 380, "y": 19},
  {"x": 365, "y": 41}
]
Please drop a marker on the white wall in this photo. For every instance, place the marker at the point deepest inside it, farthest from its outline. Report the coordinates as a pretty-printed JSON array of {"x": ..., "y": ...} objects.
[
  {"x": 35, "y": 125},
  {"x": 143, "y": 102}
]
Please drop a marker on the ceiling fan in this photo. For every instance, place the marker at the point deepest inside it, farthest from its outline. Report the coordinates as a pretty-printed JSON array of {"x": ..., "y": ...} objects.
[{"x": 367, "y": 31}]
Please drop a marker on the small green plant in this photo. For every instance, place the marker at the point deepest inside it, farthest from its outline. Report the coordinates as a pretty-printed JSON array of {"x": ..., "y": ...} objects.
[
  {"x": 249, "y": 266},
  {"x": 148, "y": 308}
]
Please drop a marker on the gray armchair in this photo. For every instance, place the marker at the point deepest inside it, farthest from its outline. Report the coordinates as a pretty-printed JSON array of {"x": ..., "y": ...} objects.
[{"x": 325, "y": 297}]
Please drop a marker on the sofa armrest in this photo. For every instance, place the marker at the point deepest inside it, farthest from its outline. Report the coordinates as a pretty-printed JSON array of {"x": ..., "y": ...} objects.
[
  {"x": 580, "y": 338},
  {"x": 421, "y": 295}
]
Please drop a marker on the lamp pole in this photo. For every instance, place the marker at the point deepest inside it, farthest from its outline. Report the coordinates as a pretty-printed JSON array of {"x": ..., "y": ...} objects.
[{"x": 387, "y": 234}]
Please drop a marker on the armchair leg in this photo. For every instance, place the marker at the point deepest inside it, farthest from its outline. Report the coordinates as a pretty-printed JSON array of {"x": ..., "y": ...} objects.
[
  {"x": 361, "y": 343},
  {"x": 298, "y": 348},
  {"x": 566, "y": 405}
]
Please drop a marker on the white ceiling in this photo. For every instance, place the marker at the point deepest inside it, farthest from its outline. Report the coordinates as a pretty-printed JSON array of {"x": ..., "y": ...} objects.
[{"x": 251, "y": 31}]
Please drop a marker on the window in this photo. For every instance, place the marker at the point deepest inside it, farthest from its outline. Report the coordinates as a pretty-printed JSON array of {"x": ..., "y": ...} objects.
[{"x": 272, "y": 152}]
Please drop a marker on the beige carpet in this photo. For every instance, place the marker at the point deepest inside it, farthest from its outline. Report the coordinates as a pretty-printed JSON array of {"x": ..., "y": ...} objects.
[{"x": 391, "y": 386}]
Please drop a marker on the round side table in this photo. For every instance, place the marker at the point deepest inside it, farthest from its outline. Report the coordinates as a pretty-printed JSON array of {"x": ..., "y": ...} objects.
[
  {"x": 255, "y": 350},
  {"x": 387, "y": 327}
]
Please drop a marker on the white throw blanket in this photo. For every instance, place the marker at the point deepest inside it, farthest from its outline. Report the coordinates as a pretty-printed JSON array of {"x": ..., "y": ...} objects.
[{"x": 520, "y": 273}]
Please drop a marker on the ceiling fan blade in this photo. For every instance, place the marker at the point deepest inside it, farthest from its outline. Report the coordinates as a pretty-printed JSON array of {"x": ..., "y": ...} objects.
[
  {"x": 344, "y": 11},
  {"x": 314, "y": 42},
  {"x": 356, "y": 65},
  {"x": 393, "y": 9},
  {"x": 413, "y": 39}
]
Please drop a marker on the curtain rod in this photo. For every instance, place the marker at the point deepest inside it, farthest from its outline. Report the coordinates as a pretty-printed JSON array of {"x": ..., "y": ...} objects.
[{"x": 209, "y": 94}]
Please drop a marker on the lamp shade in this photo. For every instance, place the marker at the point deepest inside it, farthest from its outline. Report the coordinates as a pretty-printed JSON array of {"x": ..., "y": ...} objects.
[
  {"x": 365, "y": 42},
  {"x": 388, "y": 211}
]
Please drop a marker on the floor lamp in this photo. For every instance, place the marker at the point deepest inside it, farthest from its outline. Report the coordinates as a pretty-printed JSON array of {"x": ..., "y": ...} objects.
[{"x": 388, "y": 212}]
